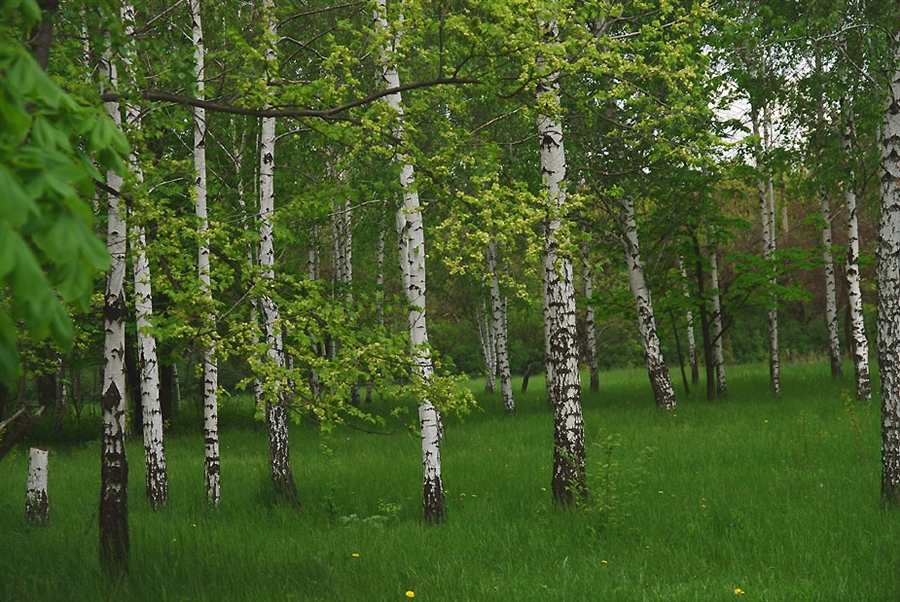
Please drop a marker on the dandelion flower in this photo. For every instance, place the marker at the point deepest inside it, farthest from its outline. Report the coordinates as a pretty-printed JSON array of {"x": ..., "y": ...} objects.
[
  {"x": 410, "y": 593},
  {"x": 738, "y": 591},
  {"x": 355, "y": 555},
  {"x": 604, "y": 562},
  {"x": 703, "y": 506},
  {"x": 543, "y": 489}
]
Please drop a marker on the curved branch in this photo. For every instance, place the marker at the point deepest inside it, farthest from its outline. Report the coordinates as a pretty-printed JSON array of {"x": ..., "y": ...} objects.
[{"x": 333, "y": 113}]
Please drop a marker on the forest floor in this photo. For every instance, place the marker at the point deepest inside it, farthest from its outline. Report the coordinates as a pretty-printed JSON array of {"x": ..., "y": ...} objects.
[{"x": 753, "y": 496}]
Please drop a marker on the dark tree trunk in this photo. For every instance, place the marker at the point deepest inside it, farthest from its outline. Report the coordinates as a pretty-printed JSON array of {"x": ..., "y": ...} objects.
[
  {"x": 165, "y": 391},
  {"x": 41, "y": 38}
]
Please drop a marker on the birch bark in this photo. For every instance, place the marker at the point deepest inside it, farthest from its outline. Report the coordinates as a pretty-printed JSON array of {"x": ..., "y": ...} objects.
[
  {"x": 689, "y": 315},
  {"x": 37, "y": 504},
  {"x": 210, "y": 367},
  {"x": 154, "y": 453},
  {"x": 276, "y": 397},
  {"x": 563, "y": 379},
  {"x": 498, "y": 313},
  {"x": 657, "y": 370},
  {"x": 859, "y": 343},
  {"x": 718, "y": 333},
  {"x": 888, "y": 271},
  {"x": 488, "y": 346},
  {"x": 831, "y": 314},
  {"x": 412, "y": 266},
  {"x": 762, "y": 132},
  {"x": 113, "y": 511}
]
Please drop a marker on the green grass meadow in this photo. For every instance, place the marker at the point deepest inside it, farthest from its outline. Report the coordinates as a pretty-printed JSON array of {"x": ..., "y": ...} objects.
[{"x": 753, "y": 497}]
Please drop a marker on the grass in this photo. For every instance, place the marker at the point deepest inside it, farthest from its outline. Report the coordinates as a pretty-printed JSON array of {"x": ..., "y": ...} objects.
[{"x": 776, "y": 497}]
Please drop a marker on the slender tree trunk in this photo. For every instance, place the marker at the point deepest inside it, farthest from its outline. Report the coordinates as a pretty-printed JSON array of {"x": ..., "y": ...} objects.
[
  {"x": 692, "y": 342},
  {"x": 717, "y": 331},
  {"x": 498, "y": 313},
  {"x": 488, "y": 346},
  {"x": 831, "y": 314},
  {"x": 762, "y": 131},
  {"x": 888, "y": 271},
  {"x": 276, "y": 395},
  {"x": 148, "y": 363},
  {"x": 37, "y": 504},
  {"x": 569, "y": 483},
  {"x": 412, "y": 265},
  {"x": 62, "y": 396},
  {"x": 210, "y": 367},
  {"x": 705, "y": 326},
  {"x": 859, "y": 343},
  {"x": 590, "y": 329},
  {"x": 113, "y": 512},
  {"x": 656, "y": 363}
]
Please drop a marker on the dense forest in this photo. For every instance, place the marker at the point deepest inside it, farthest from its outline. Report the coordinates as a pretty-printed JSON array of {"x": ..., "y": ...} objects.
[{"x": 210, "y": 199}]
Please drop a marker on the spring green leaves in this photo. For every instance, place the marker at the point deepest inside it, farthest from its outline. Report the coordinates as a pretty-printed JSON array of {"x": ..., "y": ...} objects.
[{"x": 49, "y": 144}]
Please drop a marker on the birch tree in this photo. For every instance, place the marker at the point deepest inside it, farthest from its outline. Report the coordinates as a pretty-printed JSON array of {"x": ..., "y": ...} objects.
[
  {"x": 657, "y": 369},
  {"x": 114, "y": 541},
  {"x": 563, "y": 379},
  {"x": 411, "y": 231},
  {"x": 210, "y": 367},
  {"x": 154, "y": 453},
  {"x": 859, "y": 347},
  {"x": 717, "y": 330},
  {"x": 888, "y": 273},
  {"x": 499, "y": 328},
  {"x": 689, "y": 315},
  {"x": 831, "y": 317},
  {"x": 276, "y": 393}
]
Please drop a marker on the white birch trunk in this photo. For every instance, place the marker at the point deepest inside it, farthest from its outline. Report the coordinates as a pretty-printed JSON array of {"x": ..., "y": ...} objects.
[
  {"x": 717, "y": 331},
  {"x": 859, "y": 343},
  {"x": 498, "y": 313},
  {"x": 768, "y": 236},
  {"x": 113, "y": 511},
  {"x": 210, "y": 367},
  {"x": 154, "y": 453},
  {"x": 888, "y": 271},
  {"x": 689, "y": 316},
  {"x": 590, "y": 329},
  {"x": 563, "y": 379},
  {"x": 657, "y": 370},
  {"x": 831, "y": 314},
  {"x": 276, "y": 402},
  {"x": 412, "y": 265},
  {"x": 485, "y": 325},
  {"x": 37, "y": 504}
]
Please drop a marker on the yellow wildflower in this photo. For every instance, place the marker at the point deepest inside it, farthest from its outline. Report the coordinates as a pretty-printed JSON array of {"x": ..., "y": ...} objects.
[
  {"x": 738, "y": 591},
  {"x": 410, "y": 593},
  {"x": 355, "y": 555}
]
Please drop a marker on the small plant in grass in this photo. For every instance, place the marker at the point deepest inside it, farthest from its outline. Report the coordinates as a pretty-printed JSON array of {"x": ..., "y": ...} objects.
[
  {"x": 387, "y": 513},
  {"x": 618, "y": 488}
]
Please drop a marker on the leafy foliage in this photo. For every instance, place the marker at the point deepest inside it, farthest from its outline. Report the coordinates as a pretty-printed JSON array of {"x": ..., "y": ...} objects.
[{"x": 50, "y": 144}]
